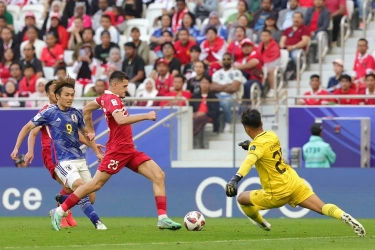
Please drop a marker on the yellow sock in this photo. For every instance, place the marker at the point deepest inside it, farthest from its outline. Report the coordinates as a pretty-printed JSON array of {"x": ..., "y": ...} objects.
[
  {"x": 333, "y": 211},
  {"x": 253, "y": 213}
]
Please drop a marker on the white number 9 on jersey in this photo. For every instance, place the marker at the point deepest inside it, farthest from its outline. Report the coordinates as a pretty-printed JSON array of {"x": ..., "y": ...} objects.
[{"x": 113, "y": 164}]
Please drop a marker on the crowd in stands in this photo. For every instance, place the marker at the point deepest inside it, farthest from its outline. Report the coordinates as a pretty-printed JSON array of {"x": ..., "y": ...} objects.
[{"x": 195, "y": 50}]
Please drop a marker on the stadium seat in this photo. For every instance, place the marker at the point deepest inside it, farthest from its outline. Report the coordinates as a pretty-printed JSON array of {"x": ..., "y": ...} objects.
[
  {"x": 148, "y": 70},
  {"x": 144, "y": 11},
  {"x": 350, "y": 8},
  {"x": 140, "y": 23},
  {"x": 68, "y": 56},
  {"x": 78, "y": 90},
  {"x": 49, "y": 72},
  {"x": 229, "y": 9},
  {"x": 18, "y": 25},
  {"x": 88, "y": 87},
  {"x": 284, "y": 55},
  {"x": 191, "y": 6},
  {"x": 154, "y": 10},
  {"x": 71, "y": 73},
  {"x": 131, "y": 89},
  {"x": 37, "y": 9},
  {"x": 14, "y": 10},
  {"x": 122, "y": 41}
]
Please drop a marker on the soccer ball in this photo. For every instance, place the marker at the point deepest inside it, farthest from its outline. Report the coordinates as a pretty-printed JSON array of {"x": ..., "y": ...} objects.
[{"x": 194, "y": 221}]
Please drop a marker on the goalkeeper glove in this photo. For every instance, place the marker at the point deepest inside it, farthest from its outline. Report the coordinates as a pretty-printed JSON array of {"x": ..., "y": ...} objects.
[
  {"x": 244, "y": 145},
  {"x": 231, "y": 188}
]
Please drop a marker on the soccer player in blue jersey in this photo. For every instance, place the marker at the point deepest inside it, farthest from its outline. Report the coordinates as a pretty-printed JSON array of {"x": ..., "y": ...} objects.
[{"x": 64, "y": 124}]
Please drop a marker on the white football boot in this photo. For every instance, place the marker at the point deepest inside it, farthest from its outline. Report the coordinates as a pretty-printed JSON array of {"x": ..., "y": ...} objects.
[
  {"x": 357, "y": 227},
  {"x": 100, "y": 226},
  {"x": 266, "y": 226}
]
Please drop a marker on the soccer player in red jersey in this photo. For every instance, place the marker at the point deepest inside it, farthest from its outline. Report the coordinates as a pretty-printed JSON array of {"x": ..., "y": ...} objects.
[{"x": 120, "y": 151}]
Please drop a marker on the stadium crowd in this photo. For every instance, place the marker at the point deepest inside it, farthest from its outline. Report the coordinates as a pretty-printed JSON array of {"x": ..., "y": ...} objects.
[{"x": 193, "y": 49}]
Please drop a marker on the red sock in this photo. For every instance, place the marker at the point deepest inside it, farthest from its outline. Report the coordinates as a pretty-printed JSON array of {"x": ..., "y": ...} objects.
[
  {"x": 161, "y": 204},
  {"x": 70, "y": 202},
  {"x": 63, "y": 192}
]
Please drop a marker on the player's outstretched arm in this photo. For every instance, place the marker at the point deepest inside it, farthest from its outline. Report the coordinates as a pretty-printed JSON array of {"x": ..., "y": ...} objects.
[
  {"x": 21, "y": 136},
  {"x": 82, "y": 139},
  {"x": 121, "y": 119},
  {"x": 87, "y": 116},
  {"x": 29, "y": 157}
]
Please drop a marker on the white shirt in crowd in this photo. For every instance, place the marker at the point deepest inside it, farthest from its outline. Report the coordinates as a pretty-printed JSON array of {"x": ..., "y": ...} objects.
[{"x": 115, "y": 36}]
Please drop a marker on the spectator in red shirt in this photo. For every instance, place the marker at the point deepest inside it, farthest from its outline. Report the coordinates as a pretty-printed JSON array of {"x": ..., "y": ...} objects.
[
  {"x": 27, "y": 84},
  {"x": 234, "y": 47},
  {"x": 346, "y": 89},
  {"x": 8, "y": 59},
  {"x": 270, "y": 51},
  {"x": 369, "y": 91},
  {"x": 204, "y": 111},
  {"x": 178, "y": 83},
  {"x": 337, "y": 8},
  {"x": 306, "y": 3},
  {"x": 62, "y": 33},
  {"x": 317, "y": 18},
  {"x": 53, "y": 53},
  {"x": 251, "y": 65},
  {"x": 315, "y": 91},
  {"x": 183, "y": 45},
  {"x": 163, "y": 79},
  {"x": 181, "y": 10},
  {"x": 364, "y": 62},
  {"x": 296, "y": 37},
  {"x": 213, "y": 48}
]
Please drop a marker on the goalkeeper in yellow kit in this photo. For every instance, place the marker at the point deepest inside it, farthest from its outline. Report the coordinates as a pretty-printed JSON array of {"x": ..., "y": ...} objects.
[{"x": 280, "y": 183}]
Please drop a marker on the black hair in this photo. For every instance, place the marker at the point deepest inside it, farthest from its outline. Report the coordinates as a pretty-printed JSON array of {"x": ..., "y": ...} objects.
[
  {"x": 363, "y": 40},
  {"x": 204, "y": 65},
  {"x": 32, "y": 28},
  {"x": 118, "y": 75},
  {"x": 16, "y": 63},
  {"x": 251, "y": 118},
  {"x": 180, "y": 76},
  {"x": 183, "y": 29},
  {"x": 63, "y": 82},
  {"x": 192, "y": 19},
  {"x": 266, "y": 31},
  {"x": 181, "y": 1},
  {"x": 32, "y": 46},
  {"x": 297, "y": 12},
  {"x": 53, "y": 34},
  {"x": 61, "y": 68},
  {"x": 242, "y": 28},
  {"x": 370, "y": 75},
  {"x": 314, "y": 76},
  {"x": 130, "y": 44},
  {"x": 3, "y": 60},
  {"x": 167, "y": 31},
  {"x": 106, "y": 16},
  {"x": 29, "y": 66},
  {"x": 206, "y": 77},
  {"x": 213, "y": 29},
  {"x": 195, "y": 48},
  {"x": 246, "y": 5},
  {"x": 135, "y": 29},
  {"x": 105, "y": 32},
  {"x": 168, "y": 43},
  {"x": 48, "y": 85},
  {"x": 228, "y": 54},
  {"x": 92, "y": 31}
]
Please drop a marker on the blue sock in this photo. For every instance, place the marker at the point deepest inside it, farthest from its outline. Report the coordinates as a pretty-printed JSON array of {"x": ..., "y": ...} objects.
[
  {"x": 88, "y": 209},
  {"x": 63, "y": 198}
]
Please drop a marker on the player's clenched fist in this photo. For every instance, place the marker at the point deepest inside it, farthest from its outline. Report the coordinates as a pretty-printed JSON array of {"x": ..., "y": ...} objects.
[
  {"x": 231, "y": 188},
  {"x": 151, "y": 116},
  {"x": 244, "y": 145}
]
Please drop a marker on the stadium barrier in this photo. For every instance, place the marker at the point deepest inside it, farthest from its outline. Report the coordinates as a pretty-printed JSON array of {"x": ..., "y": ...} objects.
[{"x": 31, "y": 191}]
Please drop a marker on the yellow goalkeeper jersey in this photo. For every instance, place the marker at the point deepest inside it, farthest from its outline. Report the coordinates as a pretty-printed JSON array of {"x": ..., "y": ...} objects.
[{"x": 277, "y": 178}]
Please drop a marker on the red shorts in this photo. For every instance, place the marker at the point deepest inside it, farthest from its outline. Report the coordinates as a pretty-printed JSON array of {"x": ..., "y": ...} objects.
[
  {"x": 116, "y": 160},
  {"x": 47, "y": 161}
]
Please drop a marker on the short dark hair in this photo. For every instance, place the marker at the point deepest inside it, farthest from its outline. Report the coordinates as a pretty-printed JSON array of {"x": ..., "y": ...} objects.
[
  {"x": 370, "y": 75},
  {"x": 183, "y": 29},
  {"x": 90, "y": 29},
  {"x": 180, "y": 76},
  {"x": 297, "y": 12},
  {"x": 314, "y": 76},
  {"x": 32, "y": 28},
  {"x": 53, "y": 34},
  {"x": 266, "y": 31},
  {"x": 32, "y": 46},
  {"x": 135, "y": 29},
  {"x": 213, "y": 29},
  {"x": 48, "y": 85},
  {"x": 29, "y": 66},
  {"x": 106, "y": 16},
  {"x": 251, "y": 118},
  {"x": 206, "y": 77},
  {"x": 195, "y": 48},
  {"x": 16, "y": 63},
  {"x": 61, "y": 68},
  {"x": 241, "y": 28},
  {"x": 130, "y": 44},
  {"x": 118, "y": 75},
  {"x": 167, "y": 31},
  {"x": 363, "y": 40},
  {"x": 345, "y": 77},
  {"x": 316, "y": 129},
  {"x": 105, "y": 32},
  {"x": 168, "y": 43},
  {"x": 64, "y": 82},
  {"x": 228, "y": 54}
]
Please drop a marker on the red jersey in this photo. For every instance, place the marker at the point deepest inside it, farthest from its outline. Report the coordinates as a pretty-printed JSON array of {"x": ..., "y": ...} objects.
[
  {"x": 119, "y": 136},
  {"x": 346, "y": 101},
  {"x": 185, "y": 94},
  {"x": 164, "y": 85},
  {"x": 27, "y": 85},
  {"x": 45, "y": 139},
  {"x": 50, "y": 56},
  {"x": 363, "y": 65},
  {"x": 367, "y": 101},
  {"x": 314, "y": 21},
  {"x": 235, "y": 49},
  {"x": 294, "y": 37},
  {"x": 258, "y": 68},
  {"x": 318, "y": 101},
  {"x": 183, "y": 52}
]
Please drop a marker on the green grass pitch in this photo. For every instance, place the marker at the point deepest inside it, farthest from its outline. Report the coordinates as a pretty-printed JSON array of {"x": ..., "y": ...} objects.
[{"x": 141, "y": 233}]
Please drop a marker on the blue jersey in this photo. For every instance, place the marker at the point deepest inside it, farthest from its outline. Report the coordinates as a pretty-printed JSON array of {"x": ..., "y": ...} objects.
[{"x": 63, "y": 128}]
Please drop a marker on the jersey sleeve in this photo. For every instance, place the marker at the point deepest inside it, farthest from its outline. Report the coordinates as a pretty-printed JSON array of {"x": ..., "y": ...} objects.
[
  {"x": 237, "y": 76},
  {"x": 113, "y": 105},
  {"x": 98, "y": 101},
  {"x": 81, "y": 122},
  {"x": 42, "y": 118}
]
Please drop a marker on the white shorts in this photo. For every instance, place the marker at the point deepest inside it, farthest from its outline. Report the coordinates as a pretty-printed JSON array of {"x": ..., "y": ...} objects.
[
  {"x": 272, "y": 65},
  {"x": 72, "y": 170}
]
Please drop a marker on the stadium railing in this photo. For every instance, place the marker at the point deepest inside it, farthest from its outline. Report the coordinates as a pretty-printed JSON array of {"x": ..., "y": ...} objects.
[
  {"x": 345, "y": 32},
  {"x": 367, "y": 15},
  {"x": 330, "y": 97},
  {"x": 301, "y": 67}
]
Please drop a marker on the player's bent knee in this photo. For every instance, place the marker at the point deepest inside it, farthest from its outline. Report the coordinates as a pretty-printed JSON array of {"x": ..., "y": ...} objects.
[
  {"x": 92, "y": 197},
  {"x": 160, "y": 176},
  {"x": 243, "y": 198},
  {"x": 77, "y": 183}
]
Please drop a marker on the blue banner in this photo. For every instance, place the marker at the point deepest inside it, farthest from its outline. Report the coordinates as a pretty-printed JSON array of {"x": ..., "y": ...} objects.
[
  {"x": 31, "y": 191},
  {"x": 344, "y": 136},
  {"x": 163, "y": 138}
]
